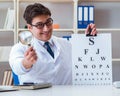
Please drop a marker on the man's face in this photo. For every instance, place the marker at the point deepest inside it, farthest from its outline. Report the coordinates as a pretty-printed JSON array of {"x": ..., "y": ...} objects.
[{"x": 41, "y": 27}]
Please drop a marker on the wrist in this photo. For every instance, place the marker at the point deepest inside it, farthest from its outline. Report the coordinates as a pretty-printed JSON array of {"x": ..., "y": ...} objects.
[{"x": 26, "y": 64}]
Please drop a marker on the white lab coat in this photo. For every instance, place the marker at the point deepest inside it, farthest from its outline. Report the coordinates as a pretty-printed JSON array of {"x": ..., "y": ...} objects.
[{"x": 46, "y": 69}]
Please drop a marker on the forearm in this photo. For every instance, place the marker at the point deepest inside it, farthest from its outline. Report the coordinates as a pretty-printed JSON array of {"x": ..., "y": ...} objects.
[{"x": 17, "y": 66}]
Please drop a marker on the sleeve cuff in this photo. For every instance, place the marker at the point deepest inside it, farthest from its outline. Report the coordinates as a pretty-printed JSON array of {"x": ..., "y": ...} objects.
[{"x": 24, "y": 69}]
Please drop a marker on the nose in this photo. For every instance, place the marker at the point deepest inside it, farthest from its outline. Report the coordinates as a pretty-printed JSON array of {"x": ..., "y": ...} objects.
[{"x": 45, "y": 27}]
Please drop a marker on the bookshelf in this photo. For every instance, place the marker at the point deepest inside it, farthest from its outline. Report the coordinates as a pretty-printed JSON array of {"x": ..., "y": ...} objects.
[
  {"x": 7, "y": 35},
  {"x": 106, "y": 19}
]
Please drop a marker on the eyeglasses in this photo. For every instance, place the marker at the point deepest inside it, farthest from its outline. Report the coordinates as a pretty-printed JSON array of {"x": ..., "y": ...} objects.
[{"x": 40, "y": 25}]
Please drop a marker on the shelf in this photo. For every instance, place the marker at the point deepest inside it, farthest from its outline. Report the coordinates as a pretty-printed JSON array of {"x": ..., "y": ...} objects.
[
  {"x": 99, "y": 0},
  {"x": 102, "y": 30},
  {"x": 47, "y": 0},
  {"x": 60, "y": 30},
  {"x": 6, "y": 0},
  {"x": 116, "y": 59},
  {"x": 4, "y": 30},
  {"x": 63, "y": 30}
]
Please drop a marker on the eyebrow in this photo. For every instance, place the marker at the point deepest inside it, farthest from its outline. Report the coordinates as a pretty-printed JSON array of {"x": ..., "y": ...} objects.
[
  {"x": 38, "y": 23},
  {"x": 42, "y": 22}
]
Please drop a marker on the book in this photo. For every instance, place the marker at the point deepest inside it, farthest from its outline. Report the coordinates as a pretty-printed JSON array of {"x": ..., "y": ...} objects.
[
  {"x": 7, "y": 79},
  {"x": 33, "y": 86},
  {"x": 4, "y": 78},
  {"x": 9, "y": 22}
]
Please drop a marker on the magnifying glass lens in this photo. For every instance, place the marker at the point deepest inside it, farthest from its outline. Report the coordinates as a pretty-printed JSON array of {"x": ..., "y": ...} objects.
[{"x": 25, "y": 37}]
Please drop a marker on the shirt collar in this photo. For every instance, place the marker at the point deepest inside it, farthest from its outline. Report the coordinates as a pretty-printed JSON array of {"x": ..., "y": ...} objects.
[{"x": 42, "y": 42}]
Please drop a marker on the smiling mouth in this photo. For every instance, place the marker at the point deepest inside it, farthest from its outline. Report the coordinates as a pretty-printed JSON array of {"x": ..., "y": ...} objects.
[{"x": 45, "y": 33}]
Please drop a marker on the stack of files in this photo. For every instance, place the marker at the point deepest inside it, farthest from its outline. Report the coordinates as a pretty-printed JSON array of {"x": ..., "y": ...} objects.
[{"x": 85, "y": 16}]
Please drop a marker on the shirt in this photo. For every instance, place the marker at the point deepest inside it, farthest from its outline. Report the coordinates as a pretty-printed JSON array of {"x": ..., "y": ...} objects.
[{"x": 57, "y": 71}]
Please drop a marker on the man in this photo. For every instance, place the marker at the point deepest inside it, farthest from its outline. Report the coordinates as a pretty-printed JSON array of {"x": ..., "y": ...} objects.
[{"x": 35, "y": 64}]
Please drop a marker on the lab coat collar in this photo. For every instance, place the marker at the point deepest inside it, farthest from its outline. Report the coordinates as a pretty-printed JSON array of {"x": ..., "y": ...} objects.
[{"x": 52, "y": 41}]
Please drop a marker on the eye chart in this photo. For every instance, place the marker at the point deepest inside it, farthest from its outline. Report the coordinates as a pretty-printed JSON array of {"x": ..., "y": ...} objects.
[{"x": 92, "y": 59}]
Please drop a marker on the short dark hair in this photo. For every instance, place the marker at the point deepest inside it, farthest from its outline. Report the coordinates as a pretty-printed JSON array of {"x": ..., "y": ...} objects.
[{"x": 34, "y": 10}]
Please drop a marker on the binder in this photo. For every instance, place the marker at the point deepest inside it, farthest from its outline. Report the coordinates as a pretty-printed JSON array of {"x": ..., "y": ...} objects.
[
  {"x": 80, "y": 16},
  {"x": 85, "y": 16},
  {"x": 91, "y": 14}
]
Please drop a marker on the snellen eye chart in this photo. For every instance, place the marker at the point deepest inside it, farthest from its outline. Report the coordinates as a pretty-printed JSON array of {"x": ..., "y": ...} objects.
[{"x": 92, "y": 59}]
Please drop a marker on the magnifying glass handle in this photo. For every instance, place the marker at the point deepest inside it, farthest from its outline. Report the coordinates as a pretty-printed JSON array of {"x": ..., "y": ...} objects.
[{"x": 29, "y": 45}]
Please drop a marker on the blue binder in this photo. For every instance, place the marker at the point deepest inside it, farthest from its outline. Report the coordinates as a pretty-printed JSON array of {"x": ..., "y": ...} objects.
[
  {"x": 91, "y": 14},
  {"x": 85, "y": 16}
]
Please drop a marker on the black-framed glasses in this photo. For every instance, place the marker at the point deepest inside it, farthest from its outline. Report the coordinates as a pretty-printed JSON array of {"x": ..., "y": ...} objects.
[{"x": 40, "y": 25}]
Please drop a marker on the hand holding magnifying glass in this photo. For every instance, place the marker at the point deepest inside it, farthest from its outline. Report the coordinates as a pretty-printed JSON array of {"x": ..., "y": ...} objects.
[{"x": 30, "y": 56}]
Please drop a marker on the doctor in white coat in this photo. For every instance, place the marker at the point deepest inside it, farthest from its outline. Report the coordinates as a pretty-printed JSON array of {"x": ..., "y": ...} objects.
[{"x": 35, "y": 64}]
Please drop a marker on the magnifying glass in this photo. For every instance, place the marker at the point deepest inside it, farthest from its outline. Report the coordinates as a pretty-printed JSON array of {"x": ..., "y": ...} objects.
[{"x": 25, "y": 37}]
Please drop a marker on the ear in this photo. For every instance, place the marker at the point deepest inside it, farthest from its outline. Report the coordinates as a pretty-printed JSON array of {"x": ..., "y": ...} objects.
[{"x": 29, "y": 27}]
